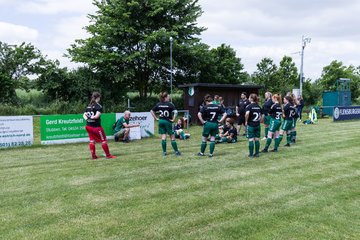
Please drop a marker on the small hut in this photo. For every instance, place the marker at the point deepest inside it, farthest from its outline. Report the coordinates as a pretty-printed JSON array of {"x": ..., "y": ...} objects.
[{"x": 194, "y": 95}]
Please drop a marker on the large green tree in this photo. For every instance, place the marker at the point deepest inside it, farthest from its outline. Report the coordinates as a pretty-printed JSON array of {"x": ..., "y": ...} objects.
[
  {"x": 17, "y": 64},
  {"x": 129, "y": 43},
  {"x": 288, "y": 77},
  {"x": 336, "y": 70},
  {"x": 266, "y": 75}
]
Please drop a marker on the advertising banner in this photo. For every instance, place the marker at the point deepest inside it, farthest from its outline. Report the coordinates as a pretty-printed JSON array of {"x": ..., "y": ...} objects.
[
  {"x": 16, "y": 131},
  {"x": 57, "y": 129},
  {"x": 145, "y": 120},
  {"x": 346, "y": 113}
]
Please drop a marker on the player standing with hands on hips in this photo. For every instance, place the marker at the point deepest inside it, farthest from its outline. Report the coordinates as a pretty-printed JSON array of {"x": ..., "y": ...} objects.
[
  {"x": 208, "y": 116},
  {"x": 93, "y": 126},
  {"x": 253, "y": 117},
  {"x": 167, "y": 114}
]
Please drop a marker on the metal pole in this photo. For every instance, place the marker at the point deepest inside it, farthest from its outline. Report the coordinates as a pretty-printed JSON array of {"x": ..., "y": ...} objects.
[
  {"x": 302, "y": 66},
  {"x": 171, "y": 41}
]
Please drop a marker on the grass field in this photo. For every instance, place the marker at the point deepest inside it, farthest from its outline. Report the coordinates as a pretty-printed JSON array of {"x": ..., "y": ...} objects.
[{"x": 308, "y": 191}]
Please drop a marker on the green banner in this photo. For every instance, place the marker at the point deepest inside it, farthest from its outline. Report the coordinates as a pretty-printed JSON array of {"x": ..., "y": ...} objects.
[{"x": 70, "y": 128}]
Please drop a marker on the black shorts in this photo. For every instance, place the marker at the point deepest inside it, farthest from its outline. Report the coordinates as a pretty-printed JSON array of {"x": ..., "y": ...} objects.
[{"x": 241, "y": 120}]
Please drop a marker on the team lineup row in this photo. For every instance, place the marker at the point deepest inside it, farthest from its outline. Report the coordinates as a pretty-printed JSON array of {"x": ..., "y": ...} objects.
[{"x": 211, "y": 114}]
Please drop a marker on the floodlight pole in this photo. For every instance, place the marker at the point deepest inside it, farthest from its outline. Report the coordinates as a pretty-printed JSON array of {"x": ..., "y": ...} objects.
[
  {"x": 171, "y": 70},
  {"x": 303, "y": 45}
]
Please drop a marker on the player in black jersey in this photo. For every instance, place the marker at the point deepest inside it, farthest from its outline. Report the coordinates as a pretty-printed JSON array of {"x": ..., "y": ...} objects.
[
  {"x": 253, "y": 117},
  {"x": 266, "y": 109},
  {"x": 93, "y": 126},
  {"x": 208, "y": 116},
  {"x": 289, "y": 111},
  {"x": 167, "y": 114},
  {"x": 275, "y": 114},
  {"x": 240, "y": 112}
]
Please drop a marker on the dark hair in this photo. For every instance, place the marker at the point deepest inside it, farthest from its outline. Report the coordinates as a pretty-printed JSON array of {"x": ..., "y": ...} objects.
[
  {"x": 289, "y": 99},
  {"x": 94, "y": 96},
  {"x": 244, "y": 94},
  {"x": 208, "y": 98},
  {"x": 254, "y": 97},
  {"x": 230, "y": 120},
  {"x": 216, "y": 97},
  {"x": 162, "y": 96}
]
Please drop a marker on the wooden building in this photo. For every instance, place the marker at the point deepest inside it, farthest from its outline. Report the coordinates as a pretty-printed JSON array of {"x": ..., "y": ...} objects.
[{"x": 194, "y": 95}]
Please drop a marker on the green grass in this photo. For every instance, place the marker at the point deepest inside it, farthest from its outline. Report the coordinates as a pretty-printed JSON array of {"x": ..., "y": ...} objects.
[{"x": 308, "y": 191}]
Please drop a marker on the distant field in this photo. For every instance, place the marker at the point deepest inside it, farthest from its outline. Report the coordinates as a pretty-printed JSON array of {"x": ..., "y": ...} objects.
[{"x": 308, "y": 191}]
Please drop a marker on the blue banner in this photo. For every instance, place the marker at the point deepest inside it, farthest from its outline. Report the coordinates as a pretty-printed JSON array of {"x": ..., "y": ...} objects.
[{"x": 346, "y": 113}]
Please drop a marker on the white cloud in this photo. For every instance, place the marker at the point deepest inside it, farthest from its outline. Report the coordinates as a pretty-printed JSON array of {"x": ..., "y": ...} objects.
[
  {"x": 56, "y": 6},
  {"x": 15, "y": 34}
]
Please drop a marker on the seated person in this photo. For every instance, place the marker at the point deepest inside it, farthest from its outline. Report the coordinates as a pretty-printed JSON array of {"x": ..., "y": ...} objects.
[
  {"x": 229, "y": 134},
  {"x": 178, "y": 129},
  {"x": 122, "y": 128}
]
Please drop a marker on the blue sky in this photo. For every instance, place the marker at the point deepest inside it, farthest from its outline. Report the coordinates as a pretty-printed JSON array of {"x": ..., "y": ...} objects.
[{"x": 254, "y": 28}]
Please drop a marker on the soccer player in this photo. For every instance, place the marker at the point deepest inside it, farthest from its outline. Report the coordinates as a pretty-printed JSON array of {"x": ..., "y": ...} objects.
[
  {"x": 122, "y": 128},
  {"x": 208, "y": 116},
  {"x": 253, "y": 117},
  {"x": 230, "y": 133},
  {"x": 266, "y": 108},
  {"x": 179, "y": 130},
  {"x": 275, "y": 113},
  {"x": 167, "y": 114},
  {"x": 288, "y": 113},
  {"x": 240, "y": 112},
  {"x": 93, "y": 126}
]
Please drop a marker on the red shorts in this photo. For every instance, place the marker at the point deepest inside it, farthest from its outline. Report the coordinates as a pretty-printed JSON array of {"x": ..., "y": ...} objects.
[{"x": 96, "y": 133}]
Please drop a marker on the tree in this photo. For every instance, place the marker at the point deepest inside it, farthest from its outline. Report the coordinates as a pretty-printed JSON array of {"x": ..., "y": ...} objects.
[
  {"x": 337, "y": 70},
  {"x": 288, "y": 76},
  {"x": 17, "y": 64},
  {"x": 266, "y": 75},
  {"x": 129, "y": 42}
]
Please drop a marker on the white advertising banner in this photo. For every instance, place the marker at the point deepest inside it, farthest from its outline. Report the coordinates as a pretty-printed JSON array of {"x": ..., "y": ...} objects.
[
  {"x": 146, "y": 121},
  {"x": 16, "y": 131}
]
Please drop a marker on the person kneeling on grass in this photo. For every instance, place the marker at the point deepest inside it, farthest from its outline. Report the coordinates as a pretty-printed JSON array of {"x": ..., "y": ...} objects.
[
  {"x": 122, "y": 128},
  {"x": 230, "y": 134}
]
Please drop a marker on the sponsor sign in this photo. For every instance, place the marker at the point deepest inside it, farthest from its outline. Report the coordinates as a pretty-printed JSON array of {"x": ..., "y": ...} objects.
[
  {"x": 57, "y": 129},
  {"x": 346, "y": 113},
  {"x": 16, "y": 131},
  {"x": 146, "y": 121}
]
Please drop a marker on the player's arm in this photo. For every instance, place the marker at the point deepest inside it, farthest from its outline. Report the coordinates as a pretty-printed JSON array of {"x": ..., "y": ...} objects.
[
  {"x": 247, "y": 117},
  {"x": 223, "y": 117},
  {"x": 237, "y": 111},
  {"x": 201, "y": 118},
  {"x": 85, "y": 116},
  {"x": 154, "y": 115},
  {"x": 130, "y": 125}
]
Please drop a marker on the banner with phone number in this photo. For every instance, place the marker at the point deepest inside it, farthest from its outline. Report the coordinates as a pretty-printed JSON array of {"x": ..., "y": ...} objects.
[
  {"x": 16, "y": 131},
  {"x": 58, "y": 129}
]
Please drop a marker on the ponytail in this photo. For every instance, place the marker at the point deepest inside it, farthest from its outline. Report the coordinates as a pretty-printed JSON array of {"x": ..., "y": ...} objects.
[
  {"x": 94, "y": 96},
  {"x": 162, "y": 96}
]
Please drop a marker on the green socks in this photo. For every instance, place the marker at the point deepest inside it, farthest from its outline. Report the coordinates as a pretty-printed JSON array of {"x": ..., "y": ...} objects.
[
  {"x": 278, "y": 141},
  {"x": 163, "y": 145},
  {"x": 203, "y": 147},
  {"x": 288, "y": 138},
  {"x": 251, "y": 148},
  {"x": 182, "y": 134},
  {"x": 257, "y": 147},
  {"x": 268, "y": 142},
  {"x": 212, "y": 147},
  {"x": 266, "y": 131},
  {"x": 174, "y": 145}
]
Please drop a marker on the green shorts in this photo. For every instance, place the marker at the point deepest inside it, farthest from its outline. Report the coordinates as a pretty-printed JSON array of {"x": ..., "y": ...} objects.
[
  {"x": 274, "y": 125},
  {"x": 253, "y": 132},
  {"x": 287, "y": 125},
  {"x": 165, "y": 127},
  {"x": 267, "y": 120},
  {"x": 210, "y": 128}
]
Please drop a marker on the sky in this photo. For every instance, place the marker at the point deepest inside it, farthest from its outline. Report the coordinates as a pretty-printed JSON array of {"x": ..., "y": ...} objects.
[{"x": 255, "y": 29}]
